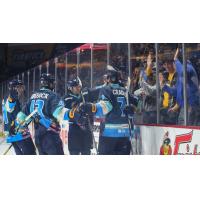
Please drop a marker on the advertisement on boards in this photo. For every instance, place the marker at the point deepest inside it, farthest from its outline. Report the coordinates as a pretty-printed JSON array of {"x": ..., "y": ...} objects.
[{"x": 160, "y": 140}]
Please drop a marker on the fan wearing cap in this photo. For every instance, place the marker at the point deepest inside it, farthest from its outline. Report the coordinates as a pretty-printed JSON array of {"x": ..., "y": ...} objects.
[{"x": 11, "y": 106}]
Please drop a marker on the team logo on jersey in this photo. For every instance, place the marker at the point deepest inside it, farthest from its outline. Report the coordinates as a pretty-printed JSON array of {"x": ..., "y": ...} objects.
[{"x": 166, "y": 148}]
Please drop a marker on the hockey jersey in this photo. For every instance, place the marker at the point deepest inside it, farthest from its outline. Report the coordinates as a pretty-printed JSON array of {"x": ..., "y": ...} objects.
[
  {"x": 112, "y": 101},
  {"x": 49, "y": 107}
]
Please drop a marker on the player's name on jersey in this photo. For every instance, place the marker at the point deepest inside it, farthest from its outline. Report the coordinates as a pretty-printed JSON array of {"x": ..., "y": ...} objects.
[
  {"x": 118, "y": 92},
  {"x": 40, "y": 95}
]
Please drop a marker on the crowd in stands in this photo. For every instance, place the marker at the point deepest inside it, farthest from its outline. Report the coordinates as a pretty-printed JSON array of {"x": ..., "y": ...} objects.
[{"x": 171, "y": 99}]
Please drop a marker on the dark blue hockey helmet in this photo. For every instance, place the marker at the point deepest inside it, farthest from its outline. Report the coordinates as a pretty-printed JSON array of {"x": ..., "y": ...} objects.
[
  {"x": 73, "y": 83},
  {"x": 113, "y": 74},
  {"x": 47, "y": 81}
]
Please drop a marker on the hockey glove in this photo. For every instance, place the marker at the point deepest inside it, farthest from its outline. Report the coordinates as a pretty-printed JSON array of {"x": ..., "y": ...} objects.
[{"x": 88, "y": 108}]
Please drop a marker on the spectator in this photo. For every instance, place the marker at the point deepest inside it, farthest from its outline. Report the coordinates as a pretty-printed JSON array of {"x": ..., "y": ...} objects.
[
  {"x": 169, "y": 76},
  {"x": 192, "y": 92},
  {"x": 147, "y": 93}
]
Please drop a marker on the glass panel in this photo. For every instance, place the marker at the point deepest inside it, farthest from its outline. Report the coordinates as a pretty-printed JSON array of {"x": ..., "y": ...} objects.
[
  {"x": 171, "y": 79},
  {"x": 47, "y": 66},
  {"x": 66, "y": 64},
  {"x": 1, "y": 97},
  {"x": 28, "y": 84},
  {"x": 71, "y": 65},
  {"x": 193, "y": 75},
  {"x": 6, "y": 87},
  {"x": 119, "y": 58},
  {"x": 26, "y": 87},
  {"x": 143, "y": 81},
  {"x": 99, "y": 63},
  {"x": 52, "y": 67},
  {"x": 31, "y": 82},
  {"x": 60, "y": 83},
  {"x": 44, "y": 67},
  {"x": 56, "y": 72},
  {"x": 37, "y": 78},
  {"x": 23, "y": 77},
  {"x": 1, "y": 94},
  {"x": 19, "y": 76},
  {"x": 85, "y": 65}
]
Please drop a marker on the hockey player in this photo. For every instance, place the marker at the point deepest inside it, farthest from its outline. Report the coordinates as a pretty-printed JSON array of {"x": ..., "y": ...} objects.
[
  {"x": 51, "y": 114},
  {"x": 115, "y": 138},
  {"x": 79, "y": 135},
  {"x": 11, "y": 105}
]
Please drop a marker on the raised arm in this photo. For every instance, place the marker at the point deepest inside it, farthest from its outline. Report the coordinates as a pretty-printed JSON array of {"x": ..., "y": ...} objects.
[{"x": 176, "y": 54}]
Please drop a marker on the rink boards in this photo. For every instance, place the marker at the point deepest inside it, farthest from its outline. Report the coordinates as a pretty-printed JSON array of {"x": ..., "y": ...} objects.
[
  {"x": 169, "y": 140},
  {"x": 147, "y": 140},
  {"x": 4, "y": 146}
]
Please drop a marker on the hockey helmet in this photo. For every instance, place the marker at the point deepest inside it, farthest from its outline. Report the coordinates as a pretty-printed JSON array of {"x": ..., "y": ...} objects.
[
  {"x": 73, "y": 83},
  {"x": 113, "y": 74},
  {"x": 47, "y": 81}
]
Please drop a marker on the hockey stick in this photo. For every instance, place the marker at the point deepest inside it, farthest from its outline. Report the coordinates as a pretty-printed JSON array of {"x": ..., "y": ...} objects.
[
  {"x": 8, "y": 149},
  {"x": 20, "y": 136},
  {"x": 129, "y": 121},
  {"x": 90, "y": 126}
]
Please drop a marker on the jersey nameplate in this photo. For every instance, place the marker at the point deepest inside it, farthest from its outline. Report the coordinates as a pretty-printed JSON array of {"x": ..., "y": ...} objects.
[
  {"x": 39, "y": 96},
  {"x": 118, "y": 92}
]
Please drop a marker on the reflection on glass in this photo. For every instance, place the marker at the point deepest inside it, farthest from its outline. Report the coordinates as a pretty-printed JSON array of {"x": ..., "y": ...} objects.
[
  {"x": 26, "y": 84},
  {"x": 31, "y": 82},
  {"x": 60, "y": 83},
  {"x": 71, "y": 65},
  {"x": 119, "y": 58},
  {"x": 43, "y": 67},
  {"x": 37, "y": 78},
  {"x": 51, "y": 67},
  {"x": 66, "y": 65},
  {"x": 1, "y": 96},
  {"x": 6, "y": 87},
  {"x": 85, "y": 65},
  {"x": 99, "y": 63},
  {"x": 1, "y": 91}
]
